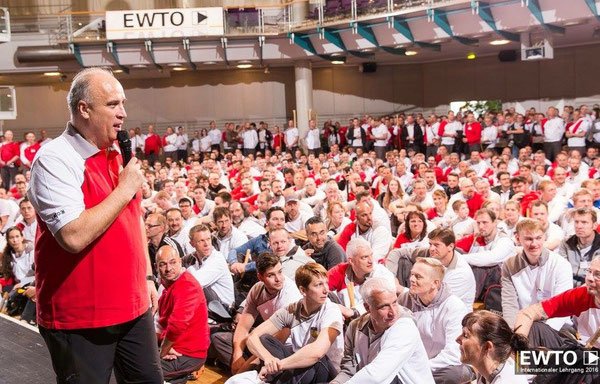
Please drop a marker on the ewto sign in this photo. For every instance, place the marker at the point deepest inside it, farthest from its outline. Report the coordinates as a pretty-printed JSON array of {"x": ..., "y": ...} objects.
[
  {"x": 164, "y": 23},
  {"x": 539, "y": 362}
]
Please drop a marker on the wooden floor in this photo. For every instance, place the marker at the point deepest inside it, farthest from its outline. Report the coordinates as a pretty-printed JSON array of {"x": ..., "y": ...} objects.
[{"x": 25, "y": 359}]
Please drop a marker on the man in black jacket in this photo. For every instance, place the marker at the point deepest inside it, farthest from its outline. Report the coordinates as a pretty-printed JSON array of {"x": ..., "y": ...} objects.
[
  {"x": 321, "y": 249},
  {"x": 411, "y": 135}
]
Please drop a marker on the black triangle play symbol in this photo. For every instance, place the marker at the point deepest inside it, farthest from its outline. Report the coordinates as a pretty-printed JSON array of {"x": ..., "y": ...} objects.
[{"x": 200, "y": 17}]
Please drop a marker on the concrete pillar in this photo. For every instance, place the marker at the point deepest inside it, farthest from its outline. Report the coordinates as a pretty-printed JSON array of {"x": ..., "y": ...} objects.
[
  {"x": 299, "y": 10},
  {"x": 304, "y": 100}
]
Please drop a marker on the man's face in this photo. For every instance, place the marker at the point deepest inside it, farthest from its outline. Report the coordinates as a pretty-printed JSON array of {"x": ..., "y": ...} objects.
[
  {"x": 560, "y": 175},
  {"x": 169, "y": 187},
  {"x": 168, "y": 264},
  {"x": 383, "y": 310},
  {"x": 213, "y": 179},
  {"x": 276, "y": 188},
  {"x": 475, "y": 157},
  {"x": 584, "y": 226},
  {"x": 236, "y": 211},
  {"x": 279, "y": 243},
  {"x": 175, "y": 221},
  {"x": 27, "y": 210},
  {"x": 483, "y": 187},
  {"x": 247, "y": 187},
  {"x": 583, "y": 201},
  {"x": 317, "y": 235},
  {"x": 486, "y": 227},
  {"x": 439, "y": 250},
  {"x": 549, "y": 192},
  {"x": 519, "y": 187},
  {"x": 364, "y": 217},
  {"x": 430, "y": 179},
  {"x": 273, "y": 278},
  {"x": 562, "y": 160},
  {"x": 467, "y": 188},
  {"x": 362, "y": 261},
  {"x": 540, "y": 213},
  {"x": 277, "y": 220},
  {"x": 419, "y": 190},
  {"x": 592, "y": 278},
  {"x": 505, "y": 181},
  {"x": 310, "y": 186},
  {"x": 186, "y": 210},
  {"x": 291, "y": 208},
  {"x": 106, "y": 111},
  {"x": 153, "y": 228},
  {"x": 532, "y": 243},
  {"x": 574, "y": 164},
  {"x": 421, "y": 279},
  {"x": 223, "y": 226},
  {"x": 452, "y": 181},
  {"x": 201, "y": 241}
]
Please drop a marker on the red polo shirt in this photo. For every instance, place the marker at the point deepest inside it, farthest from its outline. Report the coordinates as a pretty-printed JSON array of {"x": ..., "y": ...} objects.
[{"x": 105, "y": 283}]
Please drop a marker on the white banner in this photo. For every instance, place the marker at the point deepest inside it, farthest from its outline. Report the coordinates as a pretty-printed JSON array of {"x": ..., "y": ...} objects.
[{"x": 164, "y": 23}]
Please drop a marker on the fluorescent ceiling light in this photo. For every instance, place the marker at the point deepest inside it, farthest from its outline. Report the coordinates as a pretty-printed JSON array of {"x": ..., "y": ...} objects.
[
  {"x": 410, "y": 53},
  {"x": 52, "y": 73},
  {"x": 244, "y": 64},
  {"x": 500, "y": 42},
  {"x": 179, "y": 68}
]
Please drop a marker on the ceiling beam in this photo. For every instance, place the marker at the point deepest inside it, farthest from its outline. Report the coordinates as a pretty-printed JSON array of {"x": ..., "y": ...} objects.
[
  {"x": 303, "y": 41},
  {"x": 440, "y": 18},
  {"x": 592, "y": 6},
  {"x": 366, "y": 32},
  {"x": 403, "y": 28},
  {"x": 333, "y": 36},
  {"x": 536, "y": 11},
  {"x": 484, "y": 10},
  {"x": 111, "y": 47},
  {"x": 150, "y": 50},
  {"x": 188, "y": 56}
]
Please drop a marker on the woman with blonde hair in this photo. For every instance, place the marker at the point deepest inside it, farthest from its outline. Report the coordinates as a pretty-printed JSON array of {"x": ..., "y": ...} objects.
[{"x": 336, "y": 218}]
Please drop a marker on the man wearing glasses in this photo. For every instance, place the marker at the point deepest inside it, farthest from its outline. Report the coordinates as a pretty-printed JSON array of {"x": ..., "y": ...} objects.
[{"x": 156, "y": 232}]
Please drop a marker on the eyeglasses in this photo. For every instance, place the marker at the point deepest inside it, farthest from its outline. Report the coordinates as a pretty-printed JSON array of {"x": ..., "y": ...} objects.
[
  {"x": 595, "y": 273},
  {"x": 151, "y": 225}
]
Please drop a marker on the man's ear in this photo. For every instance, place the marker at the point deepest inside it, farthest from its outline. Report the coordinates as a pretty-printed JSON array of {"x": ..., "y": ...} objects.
[{"x": 84, "y": 109}]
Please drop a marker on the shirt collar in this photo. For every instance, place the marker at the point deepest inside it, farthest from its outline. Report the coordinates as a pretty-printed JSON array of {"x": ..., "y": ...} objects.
[{"x": 83, "y": 147}]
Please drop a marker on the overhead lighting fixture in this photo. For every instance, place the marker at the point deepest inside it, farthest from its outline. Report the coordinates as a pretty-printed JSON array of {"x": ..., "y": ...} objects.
[
  {"x": 471, "y": 56},
  {"x": 410, "y": 53},
  {"x": 179, "y": 68},
  {"x": 139, "y": 66},
  {"x": 209, "y": 63},
  {"x": 338, "y": 62},
  {"x": 50, "y": 74},
  {"x": 367, "y": 50},
  {"x": 500, "y": 42},
  {"x": 174, "y": 65},
  {"x": 117, "y": 71},
  {"x": 244, "y": 64}
]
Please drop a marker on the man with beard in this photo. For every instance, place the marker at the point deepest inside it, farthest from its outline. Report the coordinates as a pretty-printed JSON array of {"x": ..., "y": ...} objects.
[
  {"x": 228, "y": 237},
  {"x": 467, "y": 193},
  {"x": 242, "y": 220},
  {"x": 320, "y": 248}
]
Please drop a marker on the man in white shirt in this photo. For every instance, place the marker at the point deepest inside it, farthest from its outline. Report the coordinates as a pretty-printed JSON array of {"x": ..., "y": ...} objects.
[
  {"x": 209, "y": 267},
  {"x": 290, "y": 137},
  {"x": 250, "y": 138},
  {"x": 432, "y": 138},
  {"x": 381, "y": 134},
  {"x": 449, "y": 130},
  {"x": 228, "y": 237},
  {"x": 553, "y": 130},
  {"x": 176, "y": 230},
  {"x": 215, "y": 135},
  {"x": 313, "y": 139},
  {"x": 181, "y": 143}
]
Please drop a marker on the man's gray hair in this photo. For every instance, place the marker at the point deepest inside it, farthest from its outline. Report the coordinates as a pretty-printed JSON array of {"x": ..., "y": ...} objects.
[
  {"x": 80, "y": 87},
  {"x": 355, "y": 244},
  {"x": 374, "y": 285}
]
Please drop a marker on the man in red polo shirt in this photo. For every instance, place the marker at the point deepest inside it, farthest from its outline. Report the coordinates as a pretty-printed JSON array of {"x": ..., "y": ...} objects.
[
  {"x": 93, "y": 273},
  {"x": 472, "y": 132}
]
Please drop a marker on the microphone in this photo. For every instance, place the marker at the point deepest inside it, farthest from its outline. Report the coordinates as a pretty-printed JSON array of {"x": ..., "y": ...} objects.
[{"x": 125, "y": 146}]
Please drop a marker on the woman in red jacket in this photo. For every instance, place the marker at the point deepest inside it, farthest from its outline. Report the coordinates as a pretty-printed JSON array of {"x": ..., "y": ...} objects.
[{"x": 9, "y": 160}]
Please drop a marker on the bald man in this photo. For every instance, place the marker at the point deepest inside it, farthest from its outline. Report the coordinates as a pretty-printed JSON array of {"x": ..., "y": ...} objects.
[{"x": 182, "y": 326}]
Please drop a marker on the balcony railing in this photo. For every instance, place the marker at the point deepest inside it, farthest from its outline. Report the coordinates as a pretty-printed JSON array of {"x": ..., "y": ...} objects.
[{"x": 67, "y": 27}]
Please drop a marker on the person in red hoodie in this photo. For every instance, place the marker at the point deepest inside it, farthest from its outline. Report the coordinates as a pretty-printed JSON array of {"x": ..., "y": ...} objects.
[
  {"x": 9, "y": 159},
  {"x": 472, "y": 134},
  {"x": 182, "y": 326}
]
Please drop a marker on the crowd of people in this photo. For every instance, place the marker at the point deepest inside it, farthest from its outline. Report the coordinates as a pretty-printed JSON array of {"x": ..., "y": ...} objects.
[{"x": 402, "y": 249}]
